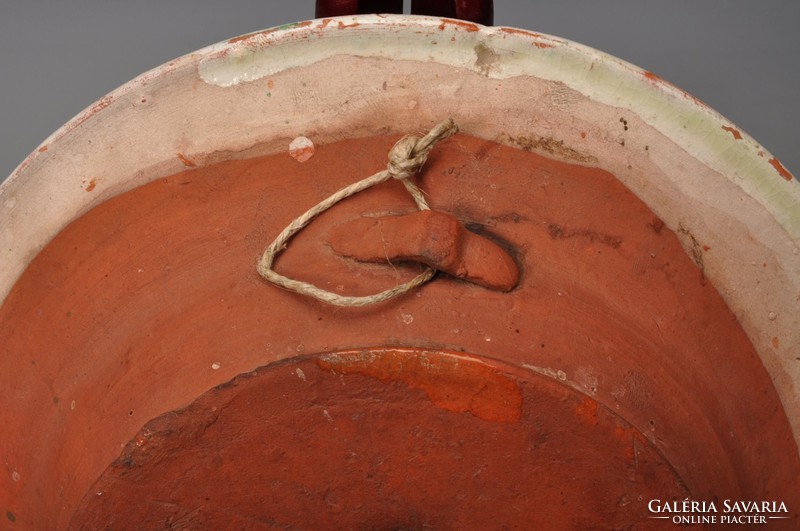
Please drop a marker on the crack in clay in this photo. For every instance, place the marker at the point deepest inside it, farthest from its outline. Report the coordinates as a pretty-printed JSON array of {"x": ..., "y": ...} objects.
[
  {"x": 695, "y": 251},
  {"x": 548, "y": 145},
  {"x": 558, "y": 232}
]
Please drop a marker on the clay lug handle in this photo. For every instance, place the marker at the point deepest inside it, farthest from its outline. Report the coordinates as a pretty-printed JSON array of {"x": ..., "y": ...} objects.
[
  {"x": 432, "y": 238},
  {"x": 487, "y": 264}
]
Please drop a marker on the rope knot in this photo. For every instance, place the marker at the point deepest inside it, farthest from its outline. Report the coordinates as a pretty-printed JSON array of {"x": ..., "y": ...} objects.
[
  {"x": 409, "y": 154},
  {"x": 404, "y": 158}
]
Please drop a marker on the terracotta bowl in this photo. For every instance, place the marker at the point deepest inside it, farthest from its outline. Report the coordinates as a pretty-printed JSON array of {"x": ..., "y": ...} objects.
[{"x": 439, "y": 407}]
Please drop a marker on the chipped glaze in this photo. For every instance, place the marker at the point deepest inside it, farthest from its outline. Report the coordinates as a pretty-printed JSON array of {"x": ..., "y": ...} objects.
[{"x": 597, "y": 75}]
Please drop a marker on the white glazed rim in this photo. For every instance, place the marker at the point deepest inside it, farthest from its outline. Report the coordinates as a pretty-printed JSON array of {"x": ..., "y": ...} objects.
[{"x": 698, "y": 128}]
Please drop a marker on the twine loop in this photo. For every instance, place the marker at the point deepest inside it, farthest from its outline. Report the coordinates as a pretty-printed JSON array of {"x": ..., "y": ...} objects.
[{"x": 406, "y": 158}]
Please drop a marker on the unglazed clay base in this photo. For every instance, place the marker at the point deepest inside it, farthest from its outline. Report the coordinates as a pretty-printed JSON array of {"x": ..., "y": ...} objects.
[{"x": 614, "y": 356}]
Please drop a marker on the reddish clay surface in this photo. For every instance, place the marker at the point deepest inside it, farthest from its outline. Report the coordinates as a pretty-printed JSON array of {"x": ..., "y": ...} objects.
[
  {"x": 433, "y": 238},
  {"x": 398, "y": 439},
  {"x": 152, "y": 299}
]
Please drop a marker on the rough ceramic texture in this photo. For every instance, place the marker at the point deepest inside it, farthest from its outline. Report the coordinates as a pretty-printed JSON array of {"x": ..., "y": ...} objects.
[
  {"x": 421, "y": 453},
  {"x": 152, "y": 297},
  {"x": 433, "y": 238},
  {"x": 732, "y": 204}
]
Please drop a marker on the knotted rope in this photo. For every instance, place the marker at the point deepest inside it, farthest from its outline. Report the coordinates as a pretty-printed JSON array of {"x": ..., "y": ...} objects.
[{"x": 406, "y": 158}]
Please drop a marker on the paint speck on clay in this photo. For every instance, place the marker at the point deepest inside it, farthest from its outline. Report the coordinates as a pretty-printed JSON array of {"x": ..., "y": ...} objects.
[
  {"x": 407, "y": 318},
  {"x": 215, "y": 365},
  {"x": 732, "y": 130},
  {"x": 782, "y": 171},
  {"x": 300, "y": 374},
  {"x": 186, "y": 161},
  {"x": 301, "y": 149},
  {"x": 15, "y": 476}
]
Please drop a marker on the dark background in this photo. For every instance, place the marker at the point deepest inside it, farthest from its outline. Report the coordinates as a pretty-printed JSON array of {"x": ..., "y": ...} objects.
[{"x": 742, "y": 57}]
